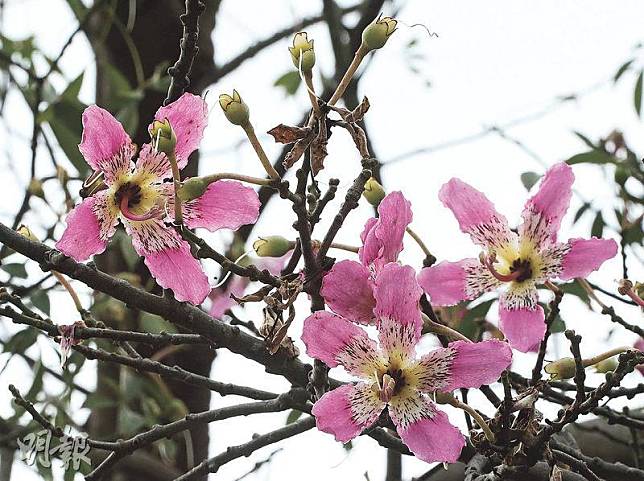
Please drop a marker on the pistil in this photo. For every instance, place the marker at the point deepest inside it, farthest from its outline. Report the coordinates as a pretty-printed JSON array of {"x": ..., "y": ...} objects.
[
  {"x": 488, "y": 261},
  {"x": 125, "y": 210}
]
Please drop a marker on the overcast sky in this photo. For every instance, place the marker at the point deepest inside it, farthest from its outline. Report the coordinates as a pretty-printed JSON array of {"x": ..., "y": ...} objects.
[{"x": 492, "y": 63}]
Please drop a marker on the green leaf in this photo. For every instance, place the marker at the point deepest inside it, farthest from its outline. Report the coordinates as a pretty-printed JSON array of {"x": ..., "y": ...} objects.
[
  {"x": 580, "y": 212},
  {"x": 621, "y": 70},
  {"x": 290, "y": 81},
  {"x": 40, "y": 299},
  {"x": 293, "y": 416},
  {"x": 21, "y": 341},
  {"x": 558, "y": 325},
  {"x": 15, "y": 269},
  {"x": 575, "y": 289},
  {"x": 156, "y": 324},
  {"x": 528, "y": 179},
  {"x": 585, "y": 140},
  {"x": 637, "y": 94},
  {"x": 591, "y": 157},
  {"x": 598, "y": 226}
]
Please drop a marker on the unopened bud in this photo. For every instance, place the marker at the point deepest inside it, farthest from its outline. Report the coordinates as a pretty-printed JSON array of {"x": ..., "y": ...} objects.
[
  {"x": 163, "y": 137},
  {"x": 302, "y": 47},
  {"x": 373, "y": 192},
  {"x": 25, "y": 231},
  {"x": 377, "y": 33},
  {"x": 235, "y": 109},
  {"x": 621, "y": 174},
  {"x": 639, "y": 289},
  {"x": 192, "y": 188},
  {"x": 563, "y": 368},
  {"x": 272, "y": 246},
  {"x": 35, "y": 188},
  {"x": 607, "y": 365}
]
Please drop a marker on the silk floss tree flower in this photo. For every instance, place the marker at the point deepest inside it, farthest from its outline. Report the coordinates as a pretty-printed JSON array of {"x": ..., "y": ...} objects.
[
  {"x": 520, "y": 261},
  {"x": 391, "y": 374},
  {"x": 347, "y": 287},
  {"x": 140, "y": 196}
]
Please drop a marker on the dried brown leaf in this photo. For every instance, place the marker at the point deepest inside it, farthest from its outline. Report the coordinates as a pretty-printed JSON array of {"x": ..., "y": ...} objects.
[{"x": 287, "y": 134}]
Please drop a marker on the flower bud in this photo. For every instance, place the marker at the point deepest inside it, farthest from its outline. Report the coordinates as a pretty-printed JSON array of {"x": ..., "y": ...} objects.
[
  {"x": 639, "y": 289},
  {"x": 163, "y": 136},
  {"x": 621, "y": 174},
  {"x": 192, "y": 188},
  {"x": 35, "y": 188},
  {"x": 235, "y": 109},
  {"x": 272, "y": 246},
  {"x": 377, "y": 33},
  {"x": 607, "y": 365},
  {"x": 303, "y": 47},
  {"x": 563, "y": 368},
  {"x": 25, "y": 231},
  {"x": 373, "y": 192}
]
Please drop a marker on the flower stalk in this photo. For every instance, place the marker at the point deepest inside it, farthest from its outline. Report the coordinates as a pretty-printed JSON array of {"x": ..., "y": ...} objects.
[
  {"x": 259, "y": 150},
  {"x": 446, "y": 398},
  {"x": 442, "y": 329},
  {"x": 564, "y": 368}
]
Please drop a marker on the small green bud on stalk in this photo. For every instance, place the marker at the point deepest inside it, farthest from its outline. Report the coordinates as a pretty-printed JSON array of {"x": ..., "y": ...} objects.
[
  {"x": 302, "y": 47},
  {"x": 607, "y": 365},
  {"x": 376, "y": 34},
  {"x": 621, "y": 174},
  {"x": 373, "y": 192},
  {"x": 25, "y": 231},
  {"x": 35, "y": 188},
  {"x": 235, "y": 109},
  {"x": 163, "y": 136},
  {"x": 192, "y": 188},
  {"x": 272, "y": 246},
  {"x": 564, "y": 368}
]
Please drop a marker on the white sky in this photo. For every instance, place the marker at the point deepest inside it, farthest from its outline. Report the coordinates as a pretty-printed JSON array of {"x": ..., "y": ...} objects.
[{"x": 493, "y": 62}]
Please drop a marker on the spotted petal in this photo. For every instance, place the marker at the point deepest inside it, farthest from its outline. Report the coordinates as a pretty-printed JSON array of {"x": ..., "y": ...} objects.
[
  {"x": 347, "y": 290},
  {"x": 585, "y": 256},
  {"x": 153, "y": 163},
  {"x": 337, "y": 341},
  {"x": 105, "y": 145},
  {"x": 462, "y": 364},
  {"x": 89, "y": 227},
  {"x": 425, "y": 429},
  {"x": 347, "y": 411},
  {"x": 169, "y": 260},
  {"x": 543, "y": 212},
  {"x": 383, "y": 240},
  {"x": 449, "y": 283},
  {"x": 476, "y": 215},
  {"x": 397, "y": 313},
  {"x": 188, "y": 117}
]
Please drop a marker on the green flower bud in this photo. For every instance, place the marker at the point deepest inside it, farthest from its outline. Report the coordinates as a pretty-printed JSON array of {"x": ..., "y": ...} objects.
[
  {"x": 25, "y": 231},
  {"x": 35, "y": 188},
  {"x": 163, "y": 136},
  {"x": 377, "y": 33},
  {"x": 272, "y": 246},
  {"x": 563, "y": 368},
  {"x": 303, "y": 47},
  {"x": 607, "y": 365},
  {"x": 373, "y": 192},
  {"x": 621, "y": 174},
  {"x": 192, "y": 188},
  {"x": 639, "y": 289},
  {"x": 235, "y": 109}
]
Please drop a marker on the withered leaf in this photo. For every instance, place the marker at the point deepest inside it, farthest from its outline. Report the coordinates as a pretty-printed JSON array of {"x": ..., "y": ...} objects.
[
  {"x": 318, "y": 147},
  {"x": 298, "y": 150},
  {"x": 287, "y": 134},
  {"x": 359, "y": 112}
]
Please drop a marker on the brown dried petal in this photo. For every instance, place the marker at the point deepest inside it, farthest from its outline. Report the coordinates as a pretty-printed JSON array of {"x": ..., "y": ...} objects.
[
  {"x": 297, "y": 151},
  {"x": 287, "y": 134}
]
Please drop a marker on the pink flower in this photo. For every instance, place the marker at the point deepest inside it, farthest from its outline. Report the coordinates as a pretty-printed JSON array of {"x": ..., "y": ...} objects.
[
  {"x": 347, "y": 287},
  {"x": 140, "y": 196},
  {"x": 392, "y": 376},
  {"x": 521, "y": 261}
]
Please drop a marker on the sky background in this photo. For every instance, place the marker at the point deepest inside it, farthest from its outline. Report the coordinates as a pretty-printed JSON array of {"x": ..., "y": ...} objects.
[{"x": 492, "y": 64}]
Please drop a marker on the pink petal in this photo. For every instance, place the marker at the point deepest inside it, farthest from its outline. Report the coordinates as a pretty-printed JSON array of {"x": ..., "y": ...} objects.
[
  {"x": 154, "y": 163},
  {"x": 524, "y": 327},
  {"x": 543, "y": 212},
  {"x": 273, "y": 265},
  {"x": 89, "y": 227},
  {"x": 449, "y": 283},
  {"x": 383, "y": 239},
  {"x": 188, "y": 117},
  {"x": 169, "y": 260},
  {"x": 427, "y": 431},
  {"x": 586, "y": 256},
  {"x": 105, "y": 144},
  {"x": 347, "y": 411},
  {"x": 221, "y": 298},
  {"x": 476, "y": 215},
  {"x": 347, "y": 290},
  {"x": 224, "y": 205},
  {"x": 337, "y": 341},
  {"x": 397, "y": 312},
  {"x": 477, "y": 363},
  {"x": 639, "y": 345}
]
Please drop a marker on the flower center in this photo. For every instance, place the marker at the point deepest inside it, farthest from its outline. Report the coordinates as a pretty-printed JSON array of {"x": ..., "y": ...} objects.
[
  {"x": 523, "y": 267},
  {"x": 390, "y": 384},
  {"x": 127, "y": 197},
  {"x": 520, "y": 270}
]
